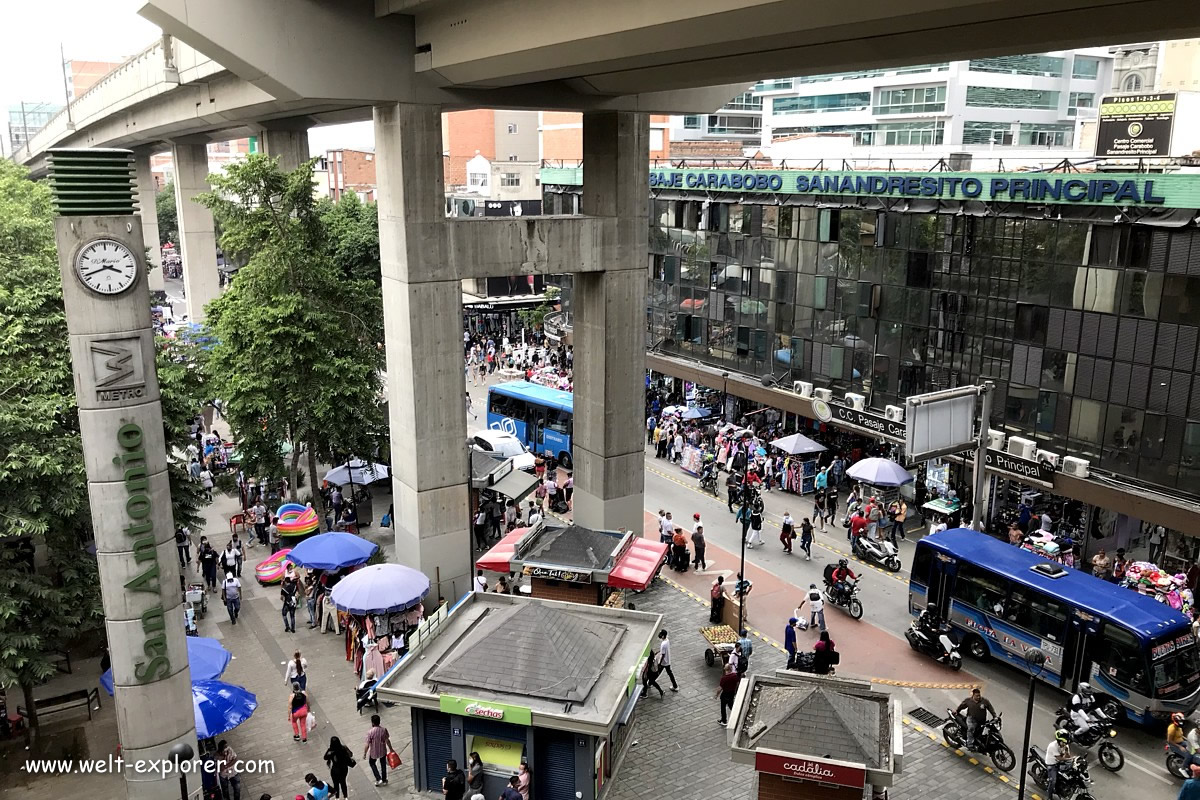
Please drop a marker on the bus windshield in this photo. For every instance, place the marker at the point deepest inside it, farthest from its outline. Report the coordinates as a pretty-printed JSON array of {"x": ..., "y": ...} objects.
[{"x": 1175, "y": 665}]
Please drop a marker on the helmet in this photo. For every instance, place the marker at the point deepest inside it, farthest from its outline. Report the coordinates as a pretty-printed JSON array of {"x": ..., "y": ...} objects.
[
  {"x": 931, "y": 608},
  {"x": 1061, "y": 735},
  {"x": 1177, "y": 718},
  {"x": 842, "y": 562},
  {"x": 1085, "y": 688}
]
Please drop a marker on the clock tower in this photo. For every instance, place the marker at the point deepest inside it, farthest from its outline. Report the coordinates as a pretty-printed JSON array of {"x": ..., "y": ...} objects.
[{"x": 107, "y": 301}]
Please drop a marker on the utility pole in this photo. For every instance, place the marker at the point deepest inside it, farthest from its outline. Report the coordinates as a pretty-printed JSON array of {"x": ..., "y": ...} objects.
[
  {"x": 66, "y": 85},
  {"x": 980, "y": 474}
]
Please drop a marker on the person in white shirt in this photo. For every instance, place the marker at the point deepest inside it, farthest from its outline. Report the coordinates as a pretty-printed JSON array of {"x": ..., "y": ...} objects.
[
  {"x": 297, "y": 671},
  {"x": 231, "y": 593},
  {"x": 535, "y": 516},
  {"x": 481, "y": 583},
  {"x": 664, "y": 658},
  {"x": 816, "y": 606},
  {"x": 696, "y": 522},
  {"x": 666, "y": 527}
]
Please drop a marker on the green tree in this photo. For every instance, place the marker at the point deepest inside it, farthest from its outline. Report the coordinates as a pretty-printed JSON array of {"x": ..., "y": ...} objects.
[
  {"x": 299, "y": 349},
  {"x": 353, "y": 230},
  {"x": 44, "y": 505},
  {"x": 533, "y": 317},
  {"x": 168, "y": 215},
  {"x": 180, "y": 365}
]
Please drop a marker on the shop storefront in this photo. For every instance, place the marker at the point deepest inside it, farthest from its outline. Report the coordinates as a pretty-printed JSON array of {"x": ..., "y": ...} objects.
[
  {"x": 577, "y": 564},
  {"x": 495, "y": 482},
  {"x": 524, "y": 681}
]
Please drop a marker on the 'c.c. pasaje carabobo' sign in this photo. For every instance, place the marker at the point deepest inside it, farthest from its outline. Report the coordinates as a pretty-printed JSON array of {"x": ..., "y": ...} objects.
[{"x": 1084, "y": 189}]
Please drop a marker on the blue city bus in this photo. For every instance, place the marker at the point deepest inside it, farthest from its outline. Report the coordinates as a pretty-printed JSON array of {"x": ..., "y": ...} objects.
[
  {"x": 539, "y": 416},
  {"x": 1138, "y": 654}
]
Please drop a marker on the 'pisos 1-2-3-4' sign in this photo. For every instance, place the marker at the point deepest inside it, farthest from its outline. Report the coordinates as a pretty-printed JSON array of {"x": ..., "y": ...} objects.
[{"x": 1172, "y": 191}]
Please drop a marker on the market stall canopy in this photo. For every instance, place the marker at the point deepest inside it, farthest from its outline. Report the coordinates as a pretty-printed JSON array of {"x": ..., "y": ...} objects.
[
  {"x": 220, "y": 707},
  {"x": 380, "y": 589},
  {"x": 332, "y": 551},
  {"x": 358, "y": 472},
  {"x": 499, "y": 558},
  {"x": 879, "y": 472},
  {"x": 516, "y": 485},
  {"x": 797, "y": 444},
  {"x": 636, "y": 568},
  {"x": 697, "y": 413},
  {"x": 207, "y": 659}
]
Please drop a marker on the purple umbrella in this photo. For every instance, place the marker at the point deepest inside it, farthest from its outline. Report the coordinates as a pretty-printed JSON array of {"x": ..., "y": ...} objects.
[
  {"x": 879, "y": 472},
  {"x": 380, "y": 589}
]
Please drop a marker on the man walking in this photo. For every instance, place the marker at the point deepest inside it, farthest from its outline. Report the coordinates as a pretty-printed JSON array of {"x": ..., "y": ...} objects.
[
  {"x": 698, "y": 561},
  {"x": 260, "y": 522},
  {"x": 789, "y": 642},
  {"x": 664, "y": 658},
  {"x": 231, "y": 784},
  {"x": 378, "y": 745},
  {"x": 727, "y": 691},
  {"x": 733, "y": 490},
  {"x": 816, "y": 606},
  {"x": 183, "y": 542},
  {"x": 231, "y": 593}
]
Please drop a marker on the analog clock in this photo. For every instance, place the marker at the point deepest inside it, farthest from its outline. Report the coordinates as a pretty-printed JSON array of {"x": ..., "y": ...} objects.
[{"x": 106, "y": 266}]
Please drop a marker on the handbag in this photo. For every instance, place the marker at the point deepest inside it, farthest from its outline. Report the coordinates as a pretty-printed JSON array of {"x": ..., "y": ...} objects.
[{"x": 393, "y": 759}]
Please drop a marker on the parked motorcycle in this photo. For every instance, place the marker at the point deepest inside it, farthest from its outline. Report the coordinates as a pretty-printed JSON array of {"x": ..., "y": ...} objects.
[
  {"x": 1102, "y": 730},
  {"x": 879, "y": 551},
  {"x": 1073, "y": 780},
  {"x": 940, "y": 646},
  {"x": 987, "y": 739},
  {"x": 847, "y": 601}
]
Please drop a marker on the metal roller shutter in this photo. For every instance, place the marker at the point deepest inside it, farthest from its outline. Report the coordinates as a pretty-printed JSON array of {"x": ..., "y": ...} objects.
[
  {"x": 436, "y": 729},
  {"x": 554, "y": 765}
]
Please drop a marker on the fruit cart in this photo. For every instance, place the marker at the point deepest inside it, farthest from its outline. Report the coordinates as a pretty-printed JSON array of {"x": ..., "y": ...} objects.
[{"x": 721, "y": 641}]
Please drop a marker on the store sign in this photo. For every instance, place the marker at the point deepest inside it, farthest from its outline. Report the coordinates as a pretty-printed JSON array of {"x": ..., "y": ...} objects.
[
  {"x": 876, "y": 424},
  {"x": 810, "y": 769},
  {"x": 1135, "y": 126},
  {"x": 556, "y": 574},
  {"x": 501, "y": 712},
  {"x": 1023, "y": 469}
]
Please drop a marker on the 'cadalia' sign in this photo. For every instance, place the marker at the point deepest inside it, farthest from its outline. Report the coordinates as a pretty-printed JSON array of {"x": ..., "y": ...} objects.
[
  {"x": 837, "y": 773},
  {"x": 1032, "y": 472},
  {"x": 863, "y": 420}
]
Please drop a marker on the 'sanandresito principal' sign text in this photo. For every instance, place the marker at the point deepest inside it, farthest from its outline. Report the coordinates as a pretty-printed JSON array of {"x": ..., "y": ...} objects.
[
  {"x": 1116, "y": 190},
  {"x": 132, "y": 459}
]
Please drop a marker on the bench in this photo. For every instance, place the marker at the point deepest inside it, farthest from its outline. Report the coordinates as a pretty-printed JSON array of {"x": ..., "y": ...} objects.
[{"x": 80, "y": 698}]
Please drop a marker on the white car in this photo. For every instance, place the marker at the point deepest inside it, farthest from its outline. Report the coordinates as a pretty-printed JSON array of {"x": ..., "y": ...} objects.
[{"x": 505, "y": 445}]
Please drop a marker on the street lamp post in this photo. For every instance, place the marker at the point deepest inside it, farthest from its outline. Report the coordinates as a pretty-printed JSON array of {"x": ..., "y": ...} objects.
[
  {"x": 1036, "y": 661},
  {"x": 181, "y": 752}
]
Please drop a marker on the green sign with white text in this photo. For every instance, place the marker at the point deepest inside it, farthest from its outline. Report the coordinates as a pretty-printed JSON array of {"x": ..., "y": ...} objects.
[
  {"x": 1101, "y": 189},
  {"x": 500, "y": 712}
]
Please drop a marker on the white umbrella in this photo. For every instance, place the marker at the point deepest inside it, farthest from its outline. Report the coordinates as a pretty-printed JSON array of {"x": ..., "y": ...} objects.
[
  {"x": 797, "y": 444},
  {"x": 879, "y": 472},
  {"x": 359, "y": 473}
]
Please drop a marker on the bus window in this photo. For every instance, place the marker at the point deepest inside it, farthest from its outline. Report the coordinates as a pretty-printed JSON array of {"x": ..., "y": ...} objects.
[
  {"x": 556, "y": 420},
  {"x": 1176, "y": 672},
  {"x": 1037, "y": 613},
  {"x": 1121, "y": 660},
  {"x": 920, "y": 565},
  {"x": 979, "y": 588}
]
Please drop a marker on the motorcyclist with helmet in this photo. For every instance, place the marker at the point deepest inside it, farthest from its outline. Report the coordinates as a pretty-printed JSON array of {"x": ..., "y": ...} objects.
[
  {"x": 709, "y": 470},
  {"x": 838, "y": 578},
  {"x": 930, "y": 621},
  {"x": 1176, "y": 742},
  {"x": 1083, "y": 706},
  {"x": 1058, "y": 753}
]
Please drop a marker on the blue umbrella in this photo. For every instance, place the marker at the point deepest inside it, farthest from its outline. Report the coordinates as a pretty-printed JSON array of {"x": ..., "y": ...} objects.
[
  {"x": 332, "y": 551},
  {"x": 220, "y": 707},
  {"x": 879, "y": 472},
  {"x": 207, "y": 658},
  {"x": 696, "y": 413},
  {"x": 380, "y": 589}
]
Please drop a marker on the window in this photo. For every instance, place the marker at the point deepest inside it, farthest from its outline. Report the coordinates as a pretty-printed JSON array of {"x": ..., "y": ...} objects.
[
  {"x": 996, "y": 97},
  {"x": 810, "y": 104},
  {"x": 744, "y": 126},
  {"x": 1180, "y": 299},
  {"x": 510, "y": 179},
  {"x": 1119, "y": 658},
  {"x": 1046, "y": 135},
  {"x": 745, "y": 102},
  {"x": 841, "y": 76},
  {"x": 1037, "y": 613},
  {"x": 1086, "y": 68},
  {"x": 1047, "y": 66},
  {"x": 940, "y": 67},
  {"x": 1031, "y": 323},
  {"x": 1132, "y": 83},
  {"x": 979, "y": 589},
  {"x": 1078, "y": 100},
  {"x": 512, "y": 127},
  {"x": 691, "y": 121},
  {"x": 987, "y": 133},
  {"x": 772, "y": 85},
  {"x": 920, "y": 565},
  {"x": 477, "y": 179},
  {"x": 912, "y": 100},
  {"x": 512, "y": 156}
]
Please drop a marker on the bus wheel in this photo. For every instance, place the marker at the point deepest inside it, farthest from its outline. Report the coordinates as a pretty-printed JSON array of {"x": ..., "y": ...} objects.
[
  {"x": 977, "y": 648},
  {"x": 564, "y": 460}
]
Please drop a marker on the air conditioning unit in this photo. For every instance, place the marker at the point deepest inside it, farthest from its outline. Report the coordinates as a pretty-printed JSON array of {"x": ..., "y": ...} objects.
[
  {"x": 856, "y": 401},
  {"x": 1079, "y": 467},
  {"x": 995, "y": 439},
  {"x": 1052, "y": 459},
  {"x": 823, "y": 394},
  {"x": 894, "y": 413},
  {"x": 1022, "y": 448},
  {"x": 803, "y": 388}
]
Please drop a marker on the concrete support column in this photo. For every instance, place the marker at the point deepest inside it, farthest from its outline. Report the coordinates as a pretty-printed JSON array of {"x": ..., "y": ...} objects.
[
  {"x": 197, "y": 232},
  {"x": 422, "y": 306},
  {"x": 290, "y": 147},
  {"x": 147, "y": 196},
  {"x": 609, "y": 325}
]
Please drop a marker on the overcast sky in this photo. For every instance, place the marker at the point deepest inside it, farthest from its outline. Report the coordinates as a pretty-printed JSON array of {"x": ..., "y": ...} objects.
[{"x": 93, "y": 30}]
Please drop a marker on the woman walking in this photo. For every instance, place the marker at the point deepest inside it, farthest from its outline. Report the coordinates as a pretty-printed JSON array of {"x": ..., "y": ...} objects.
[
  {"x": 298, "y": 713},
  {"x": 475, "y": 773},
  {"x": 819, "y": 508},
  {"x": 340, "y": 761},
  {"x": 297, "y": 671},
  {"x": 806, "y": 538},
  {"x": 787, "y": 532}
]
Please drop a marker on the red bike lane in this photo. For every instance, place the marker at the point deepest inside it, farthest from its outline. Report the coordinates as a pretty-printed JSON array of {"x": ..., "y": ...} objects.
[{"x": 868, "y": 651}]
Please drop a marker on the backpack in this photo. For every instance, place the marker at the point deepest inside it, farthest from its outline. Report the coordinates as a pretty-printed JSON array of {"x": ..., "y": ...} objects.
[{"x": 828, "y": 574}]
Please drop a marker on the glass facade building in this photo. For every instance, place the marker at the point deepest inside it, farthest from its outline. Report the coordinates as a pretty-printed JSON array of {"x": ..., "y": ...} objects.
[{"x": 1089, "y": 330}]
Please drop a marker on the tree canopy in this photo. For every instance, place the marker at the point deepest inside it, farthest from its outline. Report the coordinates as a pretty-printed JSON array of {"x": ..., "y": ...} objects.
[
  {"x": 168, "y": 215},
  {"x": 299, "y": 352}
]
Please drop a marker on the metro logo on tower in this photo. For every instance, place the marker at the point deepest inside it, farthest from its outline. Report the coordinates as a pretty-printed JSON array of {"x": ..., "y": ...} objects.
[{"x": 117, "y": 368}]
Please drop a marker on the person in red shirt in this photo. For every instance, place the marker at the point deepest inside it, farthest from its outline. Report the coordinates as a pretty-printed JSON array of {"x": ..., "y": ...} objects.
[
  {"x": 858, "y": 524},
  {"x": 727, "y": 690},
  {"x": 752, "y": 478}
]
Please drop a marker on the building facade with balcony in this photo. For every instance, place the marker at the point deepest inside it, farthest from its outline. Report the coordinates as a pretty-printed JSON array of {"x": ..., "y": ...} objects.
[
  {"x": 984, "y": 105},
  {"x": 741, "y": 119}
]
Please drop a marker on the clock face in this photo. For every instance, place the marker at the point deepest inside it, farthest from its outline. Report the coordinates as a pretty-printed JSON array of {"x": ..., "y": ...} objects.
[{"x": 106, "y": 266}]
